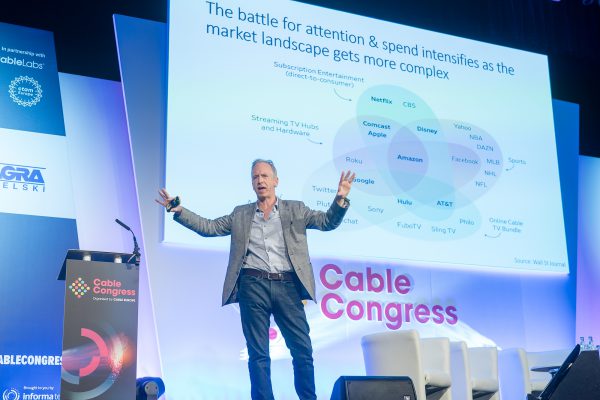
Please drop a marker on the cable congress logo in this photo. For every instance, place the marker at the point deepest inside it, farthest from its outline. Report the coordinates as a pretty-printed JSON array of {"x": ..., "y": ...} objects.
[{"x": 79, "y": 287}]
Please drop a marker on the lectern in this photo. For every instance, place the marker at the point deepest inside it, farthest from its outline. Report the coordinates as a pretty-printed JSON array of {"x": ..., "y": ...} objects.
[{"x": 100, "y": 326}]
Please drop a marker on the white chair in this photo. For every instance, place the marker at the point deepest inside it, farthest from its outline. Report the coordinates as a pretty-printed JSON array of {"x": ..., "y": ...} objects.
[
  {"x": 484, "y": 373},
  {"x": 516, "y": 378},
  {"x": 514, "y": 374},
  {"x": 474, "y": 372},
  {"x": 460, "y": 371},
  {"x": 402, "y": 353},
  {"x": 436, "y": 365}
]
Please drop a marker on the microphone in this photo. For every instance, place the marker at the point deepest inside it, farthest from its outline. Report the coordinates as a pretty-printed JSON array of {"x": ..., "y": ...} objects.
[
  {"x": 136, "y": 247},
  {"x": 123, "y": 225}
]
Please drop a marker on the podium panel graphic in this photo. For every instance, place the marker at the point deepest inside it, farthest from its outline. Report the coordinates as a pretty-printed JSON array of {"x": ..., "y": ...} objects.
[{"x": 100, "y": 326}]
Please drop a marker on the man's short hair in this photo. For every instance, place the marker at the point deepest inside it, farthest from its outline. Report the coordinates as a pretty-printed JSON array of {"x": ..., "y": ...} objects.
[{"x": 260, "y": 160}]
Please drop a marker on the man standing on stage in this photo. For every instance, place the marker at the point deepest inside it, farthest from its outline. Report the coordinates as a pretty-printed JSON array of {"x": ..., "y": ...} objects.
[{"x": 269, "y": 270}]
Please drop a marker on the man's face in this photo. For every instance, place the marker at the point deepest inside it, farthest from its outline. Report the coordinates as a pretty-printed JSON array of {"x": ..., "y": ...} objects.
[{"x": 263, "y": 181}]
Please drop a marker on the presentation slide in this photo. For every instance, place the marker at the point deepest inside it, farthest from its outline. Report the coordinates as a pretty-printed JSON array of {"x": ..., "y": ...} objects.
[{"x": 452, "y": 140}]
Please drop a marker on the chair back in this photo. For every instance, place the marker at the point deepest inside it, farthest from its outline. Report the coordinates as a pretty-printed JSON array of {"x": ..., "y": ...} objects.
[{"x": 396, "y": 353}]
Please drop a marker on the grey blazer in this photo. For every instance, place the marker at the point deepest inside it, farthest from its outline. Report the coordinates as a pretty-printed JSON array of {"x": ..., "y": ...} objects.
[{"x": 295, "y": 219}]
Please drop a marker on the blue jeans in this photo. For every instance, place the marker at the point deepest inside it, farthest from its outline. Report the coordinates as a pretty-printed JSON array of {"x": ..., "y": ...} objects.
[{"x": 259, "y": 298}]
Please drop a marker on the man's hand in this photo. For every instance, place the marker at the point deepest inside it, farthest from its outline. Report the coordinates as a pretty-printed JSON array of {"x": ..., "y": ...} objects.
[
  {"x": 344, "y": 187},
  {"x": 166, "y": 199}
]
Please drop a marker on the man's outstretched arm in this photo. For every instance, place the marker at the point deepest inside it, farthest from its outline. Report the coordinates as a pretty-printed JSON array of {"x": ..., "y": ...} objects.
[{"x": 202, "y": 226}]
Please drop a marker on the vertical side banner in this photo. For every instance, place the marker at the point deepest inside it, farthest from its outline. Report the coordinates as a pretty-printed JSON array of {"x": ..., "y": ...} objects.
[{"x": 36, "y": 214}]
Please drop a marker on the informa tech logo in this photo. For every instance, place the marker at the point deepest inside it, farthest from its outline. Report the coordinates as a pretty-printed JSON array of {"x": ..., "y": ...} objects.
[
  {"x": 11, "y": 394},
  {"x": 31, "y": 393},
  {"x": 22, "y": 178}
]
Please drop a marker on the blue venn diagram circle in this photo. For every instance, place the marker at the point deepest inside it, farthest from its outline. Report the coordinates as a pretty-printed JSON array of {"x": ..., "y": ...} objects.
[{"x": 413, "y": 166}]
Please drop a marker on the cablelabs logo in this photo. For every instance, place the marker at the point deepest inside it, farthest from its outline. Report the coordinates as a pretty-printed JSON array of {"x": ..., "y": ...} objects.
[
  {"x": 11, "y": 394},
  {"x": 21, "y": 62},
  {"x": 25, "y": 91},
  {"x": 22, "y": 177}
]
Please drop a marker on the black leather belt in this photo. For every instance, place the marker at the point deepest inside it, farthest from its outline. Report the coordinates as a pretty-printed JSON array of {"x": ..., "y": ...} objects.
[{"x": 272, "y": 276}]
